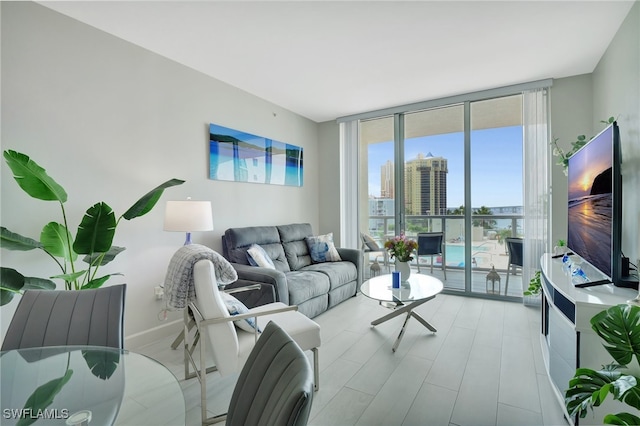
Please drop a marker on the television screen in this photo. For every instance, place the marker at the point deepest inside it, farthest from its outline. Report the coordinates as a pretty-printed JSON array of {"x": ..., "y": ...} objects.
[{"x": 591, "y": 218}]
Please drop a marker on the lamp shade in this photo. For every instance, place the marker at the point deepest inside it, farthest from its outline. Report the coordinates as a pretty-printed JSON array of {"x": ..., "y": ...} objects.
[{"x": 188, "y": 216}]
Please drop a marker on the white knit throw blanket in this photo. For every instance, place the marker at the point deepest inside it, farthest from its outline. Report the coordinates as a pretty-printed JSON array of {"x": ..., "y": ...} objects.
[{"x": 179, "y": 288}]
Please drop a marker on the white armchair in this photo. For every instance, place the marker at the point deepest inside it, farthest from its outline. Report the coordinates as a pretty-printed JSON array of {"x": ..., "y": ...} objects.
[{"x": 229, "y": 345}]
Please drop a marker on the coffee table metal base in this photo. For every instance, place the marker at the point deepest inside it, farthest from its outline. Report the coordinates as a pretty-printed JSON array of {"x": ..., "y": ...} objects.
[{"x": 409, "y": 310}]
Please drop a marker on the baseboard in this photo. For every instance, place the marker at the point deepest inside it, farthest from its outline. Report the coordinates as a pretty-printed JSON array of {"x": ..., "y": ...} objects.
[{"x": 146, "y": 337}]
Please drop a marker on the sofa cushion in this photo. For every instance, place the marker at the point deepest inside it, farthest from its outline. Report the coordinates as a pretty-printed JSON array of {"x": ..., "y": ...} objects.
[
  {"x": 338, "y": 273},
  {"x": 305, "y": 285},
  {"x": 294, "y": 244},
  {"x": 322, "y": 249},
  {"x": 238, "y": 240}
]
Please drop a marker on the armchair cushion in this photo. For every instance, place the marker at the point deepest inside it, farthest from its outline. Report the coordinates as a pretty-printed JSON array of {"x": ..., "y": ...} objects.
[{"x": 236, "y": 307}]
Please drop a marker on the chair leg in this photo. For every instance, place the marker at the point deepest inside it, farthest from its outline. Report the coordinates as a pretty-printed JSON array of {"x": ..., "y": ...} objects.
[
  {"x": 432, "y": 265},
  {"x": 506, "y": 284},
  {"x": 316, "y": 372}
]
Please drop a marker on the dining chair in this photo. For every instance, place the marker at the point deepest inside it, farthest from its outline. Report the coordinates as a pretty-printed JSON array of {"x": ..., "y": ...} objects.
[
  {"x": 431, "y": 244},
  {"x": 275, "y": 386},
  {"x": 93, "y": 317},
  {"x": 230, "y": 345},
  {"x": 516, "y": 258}
]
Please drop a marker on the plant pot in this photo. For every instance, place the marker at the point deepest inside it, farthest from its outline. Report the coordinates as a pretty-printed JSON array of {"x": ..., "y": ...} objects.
[{"x": 404, "y": 269}]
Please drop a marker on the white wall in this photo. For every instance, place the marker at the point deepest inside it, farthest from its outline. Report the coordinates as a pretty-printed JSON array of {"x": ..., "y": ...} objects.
[
  {"x": 579, "y": 103},
  {"x": 616, "y": 92},
  {"x": 109, "y": 121},
  {"x": 571, "y": 110}
]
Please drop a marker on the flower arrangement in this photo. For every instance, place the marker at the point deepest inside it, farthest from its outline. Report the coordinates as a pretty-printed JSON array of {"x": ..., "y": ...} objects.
[{"x": 401, "y": 248}]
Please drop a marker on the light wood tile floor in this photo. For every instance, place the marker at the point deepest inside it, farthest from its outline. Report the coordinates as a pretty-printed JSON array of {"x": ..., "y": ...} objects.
[{"x": 483, "y": 367}]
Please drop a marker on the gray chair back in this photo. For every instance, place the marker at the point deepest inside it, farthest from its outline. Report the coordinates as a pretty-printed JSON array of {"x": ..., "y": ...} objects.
[
  {"x": 275, "y": 386},
  {"x": 68, "y": 317},
  {"x": 516, "y": 255},
  {"x": 430, "y": 243}
]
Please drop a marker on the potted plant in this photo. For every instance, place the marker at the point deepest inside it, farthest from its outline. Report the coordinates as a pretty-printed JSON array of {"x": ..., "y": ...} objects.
[
  {"x": 560, "y": 247},
  {"x": 535, "y": 285},
  {"x": 93, "y": 239},
  {"x": 619, "y": 327},
  {"x": 575, "y": 146},
  {"x": 401, "y": 249}
]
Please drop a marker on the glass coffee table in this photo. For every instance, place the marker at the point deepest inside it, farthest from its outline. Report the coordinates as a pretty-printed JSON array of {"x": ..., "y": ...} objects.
[{"x": 418, "y": 289}]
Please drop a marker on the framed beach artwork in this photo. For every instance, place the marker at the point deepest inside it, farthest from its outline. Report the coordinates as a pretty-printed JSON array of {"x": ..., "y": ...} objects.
[{"x": 242, "y": 157}]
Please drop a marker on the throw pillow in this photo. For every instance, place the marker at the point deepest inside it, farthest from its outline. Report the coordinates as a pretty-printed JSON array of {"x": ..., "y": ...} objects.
[
  {"x": 258, "y": 257},
  {"x": 236, "y": 307},
  {"x": 370, "y": 242},
  {"x": 322, "y": 249}
]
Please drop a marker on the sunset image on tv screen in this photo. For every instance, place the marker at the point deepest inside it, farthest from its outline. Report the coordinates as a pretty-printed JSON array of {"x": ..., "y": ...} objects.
[{"x": 590, "y": 201}]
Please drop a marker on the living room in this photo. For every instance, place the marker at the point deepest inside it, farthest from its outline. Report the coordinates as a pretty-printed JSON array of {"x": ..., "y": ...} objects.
[{"x": 110, "y": 120}]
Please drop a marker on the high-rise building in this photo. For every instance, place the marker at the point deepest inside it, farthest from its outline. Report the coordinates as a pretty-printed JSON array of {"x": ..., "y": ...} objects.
[
  {"x": 387, "y": 180},
  {"x": 425, "y": 185}
]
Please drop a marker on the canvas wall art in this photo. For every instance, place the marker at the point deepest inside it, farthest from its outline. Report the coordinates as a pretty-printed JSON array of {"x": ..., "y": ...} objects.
[{"x": 242, "y": 157}]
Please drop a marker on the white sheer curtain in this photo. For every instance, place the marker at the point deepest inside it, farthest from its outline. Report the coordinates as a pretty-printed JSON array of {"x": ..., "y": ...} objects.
[
  {"x": 536, "y": 180},
  {"x": 349, "y": 235}
]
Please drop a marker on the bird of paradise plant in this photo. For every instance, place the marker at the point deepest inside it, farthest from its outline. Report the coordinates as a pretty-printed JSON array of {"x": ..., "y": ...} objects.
[{"x": 94, "y": 236}]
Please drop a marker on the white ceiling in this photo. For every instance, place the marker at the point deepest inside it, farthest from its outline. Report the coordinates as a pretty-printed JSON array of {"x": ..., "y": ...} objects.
[{"x": 326, "y": 59}]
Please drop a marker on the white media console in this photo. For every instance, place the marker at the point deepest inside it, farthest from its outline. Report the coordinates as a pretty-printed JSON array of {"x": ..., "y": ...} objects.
[{"x": 567, "y": 339}]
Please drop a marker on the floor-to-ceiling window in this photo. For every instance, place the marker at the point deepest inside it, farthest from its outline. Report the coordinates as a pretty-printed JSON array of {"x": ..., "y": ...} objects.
[{"x": 460, "y": 173}]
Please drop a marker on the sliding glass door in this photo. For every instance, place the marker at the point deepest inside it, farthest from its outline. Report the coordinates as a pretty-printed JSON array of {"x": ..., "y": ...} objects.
[
  {"x": 428, "y": 171},
  {"x": 433, "y": 181},
  {"x": 496, "y": 192}
]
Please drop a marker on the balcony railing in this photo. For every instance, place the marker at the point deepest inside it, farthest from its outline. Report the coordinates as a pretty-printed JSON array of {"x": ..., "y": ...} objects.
[{"x": 487, "y": 236}]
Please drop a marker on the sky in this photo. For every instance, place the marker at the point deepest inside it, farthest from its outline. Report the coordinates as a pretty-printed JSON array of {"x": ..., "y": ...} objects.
[
  {"x": 588, "y": 163},
  {"x": 496, "y": 164}
]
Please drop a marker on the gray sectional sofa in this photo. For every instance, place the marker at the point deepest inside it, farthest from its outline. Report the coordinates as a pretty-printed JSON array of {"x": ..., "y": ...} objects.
[{"x": 296, "y": 280}]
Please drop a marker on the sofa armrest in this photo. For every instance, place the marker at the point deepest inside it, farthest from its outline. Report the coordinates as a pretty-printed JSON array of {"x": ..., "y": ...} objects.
[
  {"x": 250, "y": 293},
  {"x": 256, "y": 274},
  {"x": 354, "y": 256}
]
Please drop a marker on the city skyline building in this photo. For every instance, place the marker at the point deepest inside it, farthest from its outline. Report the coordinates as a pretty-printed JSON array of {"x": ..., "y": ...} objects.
[
  {"x": 387, "y": 180},
  {"x": 425, "y": 185}
]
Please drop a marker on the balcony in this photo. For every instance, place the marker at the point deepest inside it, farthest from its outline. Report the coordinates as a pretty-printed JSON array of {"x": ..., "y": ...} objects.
[{"x": 487, "y": 248}]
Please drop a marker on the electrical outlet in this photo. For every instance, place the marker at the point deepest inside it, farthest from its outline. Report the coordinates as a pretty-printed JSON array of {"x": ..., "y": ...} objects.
[{"x": 159, "y": 292}]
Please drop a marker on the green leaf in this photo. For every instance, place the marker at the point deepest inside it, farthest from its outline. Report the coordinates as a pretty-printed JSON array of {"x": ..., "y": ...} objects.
[
  {"x": 96, "y": 231},
  {"x": 102, "y": 363},
  {"x": 97, "y": 282},
  {"x": 35, "y": 283},
  {"x": 626, "y": 419},
  {"x": 56, "y": 240},
  {"x": 11, "y": 282},
  {"x": 619, "y": 327},
  {"x": 33, "y": 179},
  {"x": 149, "y": 200},
  {"x": 71, "y": 276},
  {"x": 103, "y": 258},
  {"x": 13, "y": 241},
  {"x": 43, "y": 396},
  {"x": 585, "y": 389}
]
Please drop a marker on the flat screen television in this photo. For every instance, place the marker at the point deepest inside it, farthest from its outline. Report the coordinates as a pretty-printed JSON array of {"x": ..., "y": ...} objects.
[{"x": 595, "y": 203}]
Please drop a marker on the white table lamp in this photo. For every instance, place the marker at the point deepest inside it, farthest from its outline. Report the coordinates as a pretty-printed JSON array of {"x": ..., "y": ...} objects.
[{"x": 188, "y": 216}]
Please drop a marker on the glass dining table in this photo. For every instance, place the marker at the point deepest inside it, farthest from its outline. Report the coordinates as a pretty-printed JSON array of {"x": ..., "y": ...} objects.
[{"x": 87, "y": 385}]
